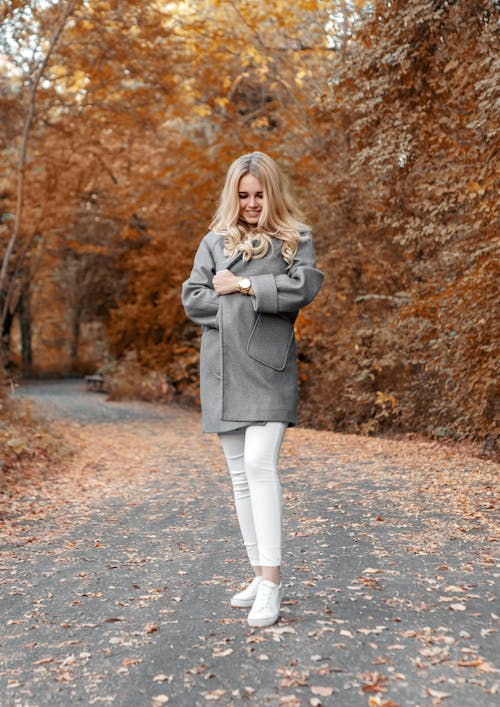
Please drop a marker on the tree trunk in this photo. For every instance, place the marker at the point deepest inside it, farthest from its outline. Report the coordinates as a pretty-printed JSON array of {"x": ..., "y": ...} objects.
[
  {"x": 76, "y": 316},
  {"x": 5, "y": 331},
  {"x": 24, "y": 310}
]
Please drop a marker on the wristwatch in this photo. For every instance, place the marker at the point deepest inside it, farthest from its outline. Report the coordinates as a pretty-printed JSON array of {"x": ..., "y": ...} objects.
[{"x": 244, "y": 285}]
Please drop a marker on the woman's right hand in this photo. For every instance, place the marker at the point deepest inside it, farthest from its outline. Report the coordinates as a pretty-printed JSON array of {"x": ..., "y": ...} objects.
[{"x": 225, "y": 282}]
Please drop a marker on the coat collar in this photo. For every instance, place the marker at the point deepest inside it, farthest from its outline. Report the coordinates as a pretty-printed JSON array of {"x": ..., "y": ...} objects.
[{"x": 235, "y": 259}]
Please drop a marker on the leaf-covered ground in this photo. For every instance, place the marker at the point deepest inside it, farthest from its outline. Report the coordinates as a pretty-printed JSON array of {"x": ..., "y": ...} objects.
[{"x": 117, "y": 569}]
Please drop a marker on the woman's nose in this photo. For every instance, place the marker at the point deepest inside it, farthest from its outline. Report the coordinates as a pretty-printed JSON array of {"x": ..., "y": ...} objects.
[{"x": 253, "y": 200}]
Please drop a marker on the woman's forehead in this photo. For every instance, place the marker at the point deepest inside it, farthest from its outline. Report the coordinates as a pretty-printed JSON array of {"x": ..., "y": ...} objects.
[{"x": 250, "y": 183}]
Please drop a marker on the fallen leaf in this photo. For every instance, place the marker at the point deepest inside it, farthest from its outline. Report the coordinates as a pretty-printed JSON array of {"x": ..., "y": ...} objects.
[
  {"x": 218, "y": 653},
  {"x": 322, "y": 690},
  {"x": 470, "y": 663},
  {"x": 290, "y": 701},
  {"x": 70, "y": 660},
  {"x": 437, "y": 695},
  {"x": 278, "y": 631},
  {"x": 293, "y": 678},
  {"x": 379, "y": 660},
  {"x": 131, "y": 661},
  {"x": 42, "y": 661},
  {"x": 373, "y": 682},
  {"x": 214, "y": 695},
  {"x": 64, "y": 676}
]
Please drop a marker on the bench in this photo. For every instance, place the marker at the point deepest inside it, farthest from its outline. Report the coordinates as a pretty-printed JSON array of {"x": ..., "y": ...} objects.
[{"x": 95, "y": 382}]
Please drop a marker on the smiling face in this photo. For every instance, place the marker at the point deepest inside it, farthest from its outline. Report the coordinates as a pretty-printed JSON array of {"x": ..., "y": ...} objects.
[{"x": 251, "y": 196}]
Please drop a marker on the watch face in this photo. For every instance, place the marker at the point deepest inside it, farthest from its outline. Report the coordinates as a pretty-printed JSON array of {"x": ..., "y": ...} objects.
[{"x": 244, "y": 282}]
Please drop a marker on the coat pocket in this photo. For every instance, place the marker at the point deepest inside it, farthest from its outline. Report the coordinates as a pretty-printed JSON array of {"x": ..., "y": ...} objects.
[
  {"x": 270, "y": 340},
  {"x": 210, "y": 352}
]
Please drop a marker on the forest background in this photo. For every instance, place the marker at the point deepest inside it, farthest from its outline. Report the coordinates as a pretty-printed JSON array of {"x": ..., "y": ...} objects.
[{"x": 118, "y": 121}]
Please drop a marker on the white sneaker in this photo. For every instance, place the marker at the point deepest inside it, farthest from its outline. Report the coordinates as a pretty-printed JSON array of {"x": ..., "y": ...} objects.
[
  {"x": 265, "y": 610},
  {"x": 246, "y": 597}
]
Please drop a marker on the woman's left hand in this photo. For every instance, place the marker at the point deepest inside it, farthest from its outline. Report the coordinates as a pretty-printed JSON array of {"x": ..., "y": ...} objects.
[{"x": 225, "y": 282}]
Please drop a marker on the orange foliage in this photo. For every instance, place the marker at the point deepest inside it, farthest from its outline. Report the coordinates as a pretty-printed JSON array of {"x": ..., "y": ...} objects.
[
  {"x": 414, "y": 253},
  {"x": 382, "y": 116}
]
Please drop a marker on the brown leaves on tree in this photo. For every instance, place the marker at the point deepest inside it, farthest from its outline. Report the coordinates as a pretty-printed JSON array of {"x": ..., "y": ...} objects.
[
  {"x": 382, "y": 117},
  {"x": 405, "y": 332}
]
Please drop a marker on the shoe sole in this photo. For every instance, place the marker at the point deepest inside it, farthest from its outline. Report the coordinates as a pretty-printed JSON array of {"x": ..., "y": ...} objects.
[
  {"x": 262, "y": 623},
  {"x": 241, "y": 603}
]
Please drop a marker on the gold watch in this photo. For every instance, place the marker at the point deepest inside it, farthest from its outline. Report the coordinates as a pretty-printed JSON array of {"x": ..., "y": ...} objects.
[{"x": 244, "y": 285}]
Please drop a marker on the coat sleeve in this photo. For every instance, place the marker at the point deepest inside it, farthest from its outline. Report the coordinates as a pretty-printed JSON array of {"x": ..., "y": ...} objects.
[
  {"x": 275, "y": 294},
  {"x": 198, "y": 296}
]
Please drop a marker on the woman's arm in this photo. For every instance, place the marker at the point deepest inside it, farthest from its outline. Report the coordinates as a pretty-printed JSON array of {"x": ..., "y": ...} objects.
[
  {"x": 225, "y": 283},
  {"x": 275, "y": 294},
  {"x": 198, "y": 296}
]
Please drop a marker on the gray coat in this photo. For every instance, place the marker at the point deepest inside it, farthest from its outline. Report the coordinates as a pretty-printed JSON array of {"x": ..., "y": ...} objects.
[{"x": 248, "y": 370}]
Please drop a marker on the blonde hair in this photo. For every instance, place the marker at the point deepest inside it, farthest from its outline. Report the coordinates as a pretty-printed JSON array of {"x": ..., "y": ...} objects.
[{"x": 279, "y": 218}]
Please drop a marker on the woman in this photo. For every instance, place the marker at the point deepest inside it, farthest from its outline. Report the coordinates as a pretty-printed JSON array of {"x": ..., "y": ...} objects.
[{"x": 252, "y": 273}]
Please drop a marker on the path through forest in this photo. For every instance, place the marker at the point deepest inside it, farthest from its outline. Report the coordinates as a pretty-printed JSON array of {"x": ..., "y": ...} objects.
[{"x": 116, "y": 571}]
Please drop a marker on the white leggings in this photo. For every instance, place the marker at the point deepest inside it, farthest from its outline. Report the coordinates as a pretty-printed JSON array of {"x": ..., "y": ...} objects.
[{"x": 252, "y": 457}]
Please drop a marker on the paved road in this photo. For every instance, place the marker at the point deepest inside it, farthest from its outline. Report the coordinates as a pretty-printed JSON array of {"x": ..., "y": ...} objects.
[
  {"x": 70, "y": 400},
  {"x": 116, "y": 573}
]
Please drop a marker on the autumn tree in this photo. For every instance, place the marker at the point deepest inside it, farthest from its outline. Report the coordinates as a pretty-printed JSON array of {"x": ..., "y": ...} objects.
[
  {"x": 31, "y": 55},
  {"x": 145, "y": 105},
  {"x": 416, "y": 347},
  {"x": 254, "y": 72},
  {"x": 81, "y": 138},
  {"x": 381, "y": 113}
]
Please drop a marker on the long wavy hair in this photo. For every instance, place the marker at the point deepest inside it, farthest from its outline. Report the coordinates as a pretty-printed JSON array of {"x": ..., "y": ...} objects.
[{"x": 280, "y": 217}]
